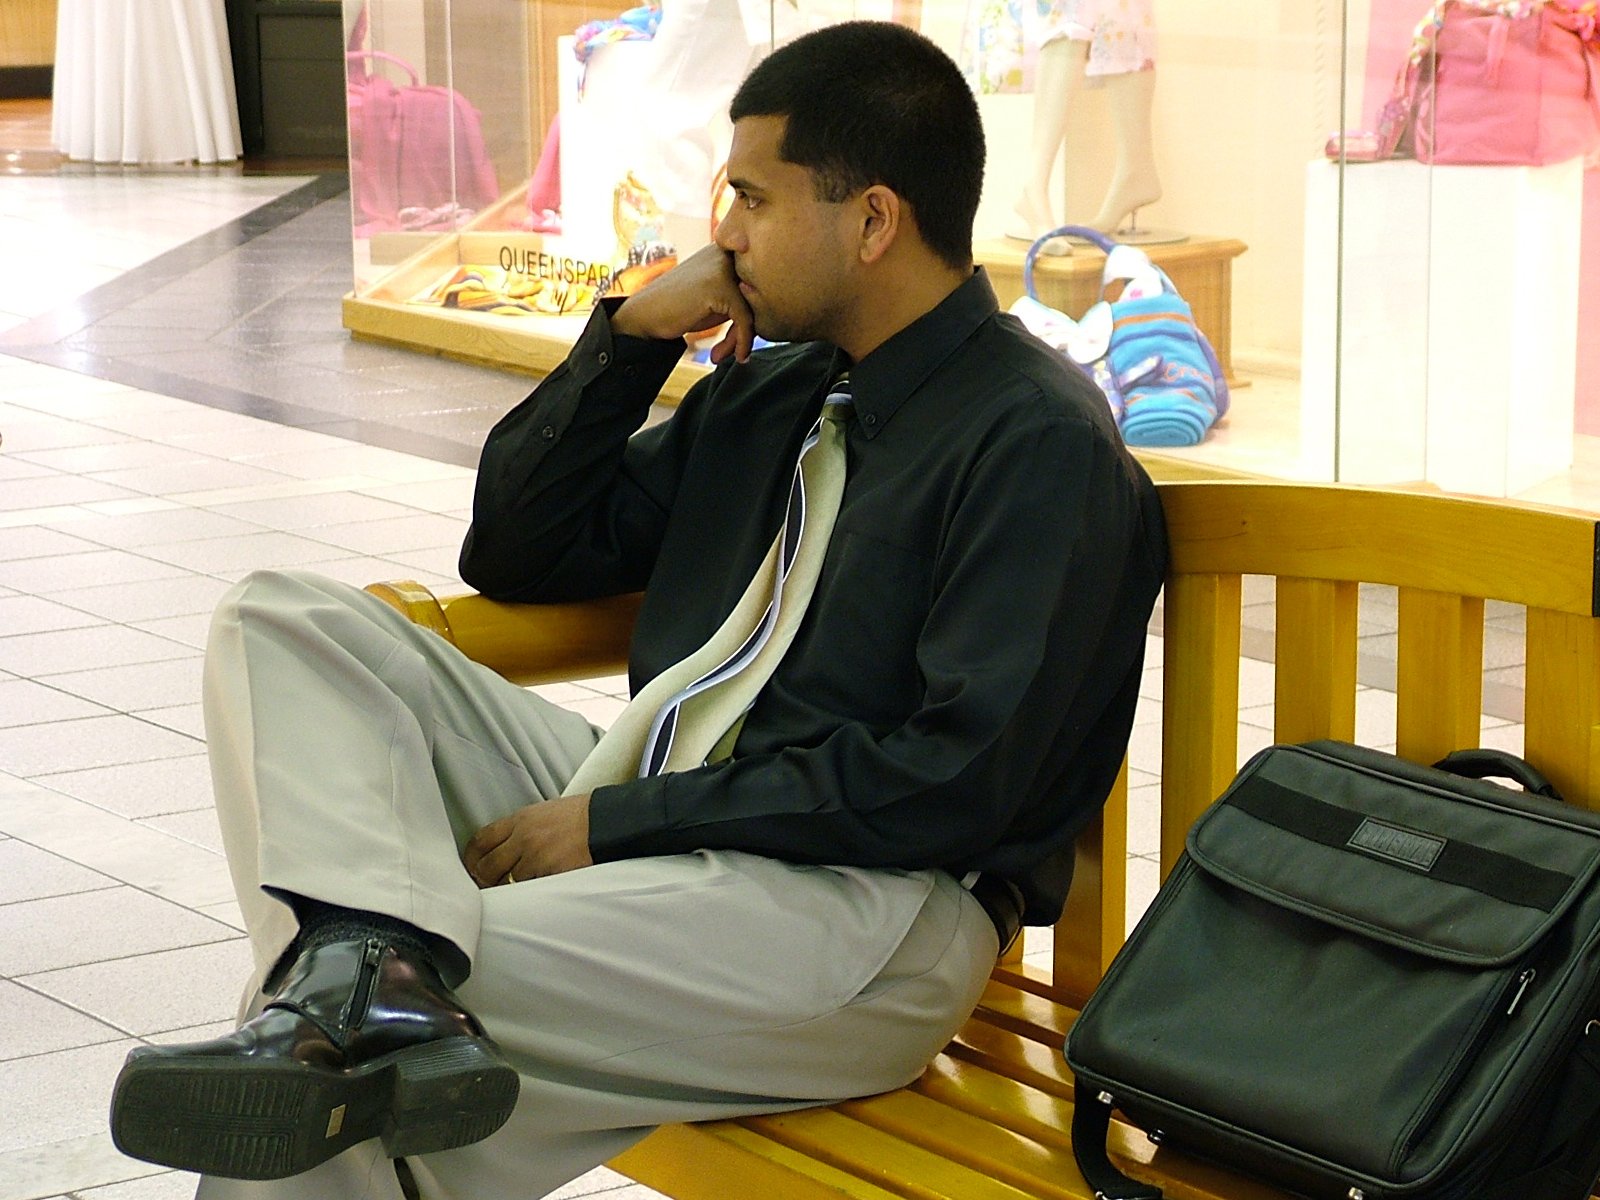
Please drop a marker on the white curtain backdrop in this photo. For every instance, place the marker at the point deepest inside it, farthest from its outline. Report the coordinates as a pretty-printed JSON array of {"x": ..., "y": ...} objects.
[{"x": 144, "y": 81}]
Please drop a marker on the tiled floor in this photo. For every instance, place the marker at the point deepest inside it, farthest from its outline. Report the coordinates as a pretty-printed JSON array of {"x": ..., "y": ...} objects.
[{"x": 137, "y": 478}]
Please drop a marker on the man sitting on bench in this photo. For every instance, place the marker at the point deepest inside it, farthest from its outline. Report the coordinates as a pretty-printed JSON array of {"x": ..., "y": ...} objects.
[{"x": 897, "y": 573}]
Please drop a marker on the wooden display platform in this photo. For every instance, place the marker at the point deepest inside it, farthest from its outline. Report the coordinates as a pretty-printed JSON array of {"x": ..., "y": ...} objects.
[{"x": 1200, "y": 268}]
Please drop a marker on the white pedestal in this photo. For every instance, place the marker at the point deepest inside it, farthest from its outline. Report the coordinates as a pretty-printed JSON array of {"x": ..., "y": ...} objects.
[{"x": 1445, "y": 351}]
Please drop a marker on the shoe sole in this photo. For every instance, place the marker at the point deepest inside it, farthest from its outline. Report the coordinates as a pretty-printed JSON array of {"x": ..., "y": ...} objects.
[{"x": 244, "y": 1119}]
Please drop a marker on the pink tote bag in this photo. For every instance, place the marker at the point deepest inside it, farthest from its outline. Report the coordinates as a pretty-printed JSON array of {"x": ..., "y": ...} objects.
[{"x": 1519, "y": 90}]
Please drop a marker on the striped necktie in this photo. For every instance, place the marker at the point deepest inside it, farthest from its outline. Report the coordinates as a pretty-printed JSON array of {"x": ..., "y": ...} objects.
[{"x": 692, "y": 712}]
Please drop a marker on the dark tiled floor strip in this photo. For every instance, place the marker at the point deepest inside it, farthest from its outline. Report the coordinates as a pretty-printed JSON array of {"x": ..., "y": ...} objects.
[{"x": 247, "y": 318}]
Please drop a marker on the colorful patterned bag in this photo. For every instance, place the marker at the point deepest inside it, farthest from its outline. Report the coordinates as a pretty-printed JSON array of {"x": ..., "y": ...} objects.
[{"x": 1140, "y": 347}]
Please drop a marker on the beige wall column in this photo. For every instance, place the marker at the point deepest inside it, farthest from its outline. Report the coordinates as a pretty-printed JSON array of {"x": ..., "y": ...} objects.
[{"x": 27, "y": 33}]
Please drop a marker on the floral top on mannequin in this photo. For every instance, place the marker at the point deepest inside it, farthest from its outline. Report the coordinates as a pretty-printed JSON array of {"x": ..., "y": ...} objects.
[{"x": 1052, "y": 47}]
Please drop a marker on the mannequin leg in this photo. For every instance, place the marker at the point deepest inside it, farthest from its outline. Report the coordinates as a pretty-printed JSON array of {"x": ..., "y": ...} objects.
[
  {"x": 1060, "y": 72},
  {"x": 1134, "y": 180}
]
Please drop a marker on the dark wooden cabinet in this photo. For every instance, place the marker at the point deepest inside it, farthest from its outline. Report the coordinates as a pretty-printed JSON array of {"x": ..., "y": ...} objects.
[{"x": 288, "y": 66}]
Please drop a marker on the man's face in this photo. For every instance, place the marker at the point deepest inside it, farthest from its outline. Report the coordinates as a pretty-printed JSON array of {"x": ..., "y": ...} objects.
[{"x": 794, "y": 254}]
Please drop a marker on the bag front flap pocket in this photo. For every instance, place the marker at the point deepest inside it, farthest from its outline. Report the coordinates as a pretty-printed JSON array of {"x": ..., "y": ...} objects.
[{"x": 1413, "y": 858}]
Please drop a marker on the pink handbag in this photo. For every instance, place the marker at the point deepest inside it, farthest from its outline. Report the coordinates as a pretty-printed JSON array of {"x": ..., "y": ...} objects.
[
  {"x": 417, "y": 154},
  {"x": 1492, "y": 82},
  {"x": 1508, "y": 89}
]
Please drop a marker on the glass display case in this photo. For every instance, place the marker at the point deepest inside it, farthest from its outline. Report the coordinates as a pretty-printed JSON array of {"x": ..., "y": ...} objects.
[{"x": 1381, "y": 312}]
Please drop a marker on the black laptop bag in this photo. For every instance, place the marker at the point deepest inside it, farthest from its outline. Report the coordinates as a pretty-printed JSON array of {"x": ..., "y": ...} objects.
[{"x": 1363, "y": 980}]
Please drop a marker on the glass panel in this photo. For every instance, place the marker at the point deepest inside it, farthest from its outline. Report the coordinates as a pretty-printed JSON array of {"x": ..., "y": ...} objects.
[{"x": 1381, "y": 313}]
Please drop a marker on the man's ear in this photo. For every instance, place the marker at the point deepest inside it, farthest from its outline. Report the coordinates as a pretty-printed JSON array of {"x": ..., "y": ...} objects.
[{"x": 882, "y": 215}]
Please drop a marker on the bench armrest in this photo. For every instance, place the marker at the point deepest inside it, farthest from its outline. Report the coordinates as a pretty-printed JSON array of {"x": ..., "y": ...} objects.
[{"x": 527, "y": 643}]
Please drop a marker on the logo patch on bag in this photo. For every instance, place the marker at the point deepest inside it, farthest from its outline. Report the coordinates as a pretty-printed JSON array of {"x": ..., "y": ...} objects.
[{"x": 1401, "y": 845}]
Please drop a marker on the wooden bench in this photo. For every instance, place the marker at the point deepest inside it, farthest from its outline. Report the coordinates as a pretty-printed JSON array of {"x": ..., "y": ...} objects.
[{"x": 989, "y": 1119}]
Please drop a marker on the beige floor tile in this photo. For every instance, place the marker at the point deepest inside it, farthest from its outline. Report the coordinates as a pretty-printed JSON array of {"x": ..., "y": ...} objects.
[
  {"x": 419, "y": 531},
  {"x": 267, "y": 491},
  {"x": 88, "y": 742},
  {"x": 438, "y": 561},
  {"x": 187, "y": 719},
  {"x": 87, "y": 1160},
  {"x": 23, "y": 702},
  {"x": 59, "y": 1097},
  {"x": 168, "y": 1185},
  {"x": 29, "y": 873},
  {"x": 141, "y": 789},
  {"x": 32, "y": 541},
  {"x": 1144, "y": 819},
  {"x": 604, "y": 1184},
  {"x": 54, "y": 490},
  {"x": 1144, "y": 878},
  {"x": 150, "y": 600},
  {"x": 174, "y": 524},
  {"x": 308, "y": 512},
  {"x": 432, "y": 495},
  {"x": 135, "y": 687},
  {"x": 128, "y": 852},
  {"x": 358, "y": 571},
  {"x": 63, "y": 572},
  {"x": 33, "y": 614},
  {"x": 227, "y": 555},
  {"x": 33, "y": 1023},
  {"x": 190, "y": 630},
  {"x": 88, "y": 927},
  {"x": 198, "y": 828},
  {"x": 118, "y": 456},
  {"x": 152, "y": 993},
  {"x": 57, "y": 652}
]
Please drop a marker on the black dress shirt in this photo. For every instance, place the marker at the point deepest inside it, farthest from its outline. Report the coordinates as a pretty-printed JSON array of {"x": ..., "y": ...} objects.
[{"x": 960, "y": 692}]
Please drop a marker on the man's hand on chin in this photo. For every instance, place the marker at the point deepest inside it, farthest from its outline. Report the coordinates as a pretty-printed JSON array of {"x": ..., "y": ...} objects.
[
  {"x": 542, "y": 839},
  {"x": 699, "y": 293}
]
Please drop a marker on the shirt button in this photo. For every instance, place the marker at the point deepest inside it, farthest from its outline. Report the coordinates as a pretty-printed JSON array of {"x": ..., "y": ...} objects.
[
  {"x": 605, "y": 357},
  {"x": 870, "y": 420},
  {"x": 548, "y": 433}
]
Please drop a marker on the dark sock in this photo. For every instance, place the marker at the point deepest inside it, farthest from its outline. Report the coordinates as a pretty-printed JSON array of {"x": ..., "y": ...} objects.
[{"x": 323, "y": 924}]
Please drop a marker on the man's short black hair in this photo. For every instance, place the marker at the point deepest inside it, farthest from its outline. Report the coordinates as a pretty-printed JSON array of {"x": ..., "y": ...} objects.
[{"x": 868, "y": 102}]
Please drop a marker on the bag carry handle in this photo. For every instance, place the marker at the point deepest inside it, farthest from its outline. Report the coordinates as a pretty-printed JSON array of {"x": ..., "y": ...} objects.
[
  {"x": 1091, "y": 1124},
  {"x": 1093, "y": 236},
  {"x": 1486, "y": 764}
]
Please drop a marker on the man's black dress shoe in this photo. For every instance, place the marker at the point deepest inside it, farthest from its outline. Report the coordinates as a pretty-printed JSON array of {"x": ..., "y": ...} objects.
[{"x": 360, "y": 1040}]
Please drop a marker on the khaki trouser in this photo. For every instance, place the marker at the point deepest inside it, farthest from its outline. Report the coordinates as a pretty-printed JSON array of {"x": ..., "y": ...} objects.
[{"x": 353, "y": 753}]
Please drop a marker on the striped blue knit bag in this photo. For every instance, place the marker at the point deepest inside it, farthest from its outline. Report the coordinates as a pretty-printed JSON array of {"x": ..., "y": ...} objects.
[{"x": 1143, "y": 349}]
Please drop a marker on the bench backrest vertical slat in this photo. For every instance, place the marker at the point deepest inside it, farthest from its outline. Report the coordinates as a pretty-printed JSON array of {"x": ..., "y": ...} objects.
[
  {"x": 1562, "y": 713},
  {"x": 1092, "y": 925},
  {"x": 1438, "y": 674},
  {"x": 1200, "y": 704},
  {"x": 1314, "y": 677}
]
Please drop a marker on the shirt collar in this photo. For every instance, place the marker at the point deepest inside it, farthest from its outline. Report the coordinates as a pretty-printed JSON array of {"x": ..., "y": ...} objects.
[{"x": 883, "y": 380}]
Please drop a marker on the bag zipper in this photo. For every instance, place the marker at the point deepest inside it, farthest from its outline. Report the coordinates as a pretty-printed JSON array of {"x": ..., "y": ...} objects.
[{"x": 1491, "y": 1021}]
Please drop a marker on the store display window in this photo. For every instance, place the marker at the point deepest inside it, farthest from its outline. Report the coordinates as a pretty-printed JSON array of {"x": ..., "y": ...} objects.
[{"x": 1346, "y": 237}]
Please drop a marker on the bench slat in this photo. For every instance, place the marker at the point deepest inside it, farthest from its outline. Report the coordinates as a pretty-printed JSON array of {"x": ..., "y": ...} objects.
[
  {"x": 1563, "y": 703},
  {"x": 722, "y": 1159},
  {"x": 1314, "y": 679},
  {"x": 881, "y": 1158},
  {"x": 990, "y": 1148},
  {"x": 1438, "y": 674},
  {"x": 1200, "y": 724},
  {"x": 1024, "y": 1013},
  {"x": 1518, "y": 553},
  {"x": 1006, "y": 1053}
]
